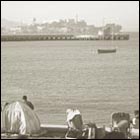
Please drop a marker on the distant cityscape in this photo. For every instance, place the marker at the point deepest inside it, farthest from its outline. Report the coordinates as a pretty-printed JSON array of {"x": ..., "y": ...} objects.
[{"x": 61, "y": 27}]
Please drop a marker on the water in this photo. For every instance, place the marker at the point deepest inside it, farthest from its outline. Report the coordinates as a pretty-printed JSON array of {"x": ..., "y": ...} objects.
[{"x": 56, "y": 75}]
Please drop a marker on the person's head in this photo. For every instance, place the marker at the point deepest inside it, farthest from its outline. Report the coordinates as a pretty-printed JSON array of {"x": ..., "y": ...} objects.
[{"x": 24, "y": 97}]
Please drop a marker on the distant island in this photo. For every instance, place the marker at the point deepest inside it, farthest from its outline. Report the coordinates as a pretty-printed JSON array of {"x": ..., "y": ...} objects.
[
  {"x": 70, "y": 29},
  {"x": 67, "y": 27}
]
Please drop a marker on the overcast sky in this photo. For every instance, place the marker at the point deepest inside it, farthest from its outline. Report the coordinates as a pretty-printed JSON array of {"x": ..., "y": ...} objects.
[{"x": 125, "y": 13}]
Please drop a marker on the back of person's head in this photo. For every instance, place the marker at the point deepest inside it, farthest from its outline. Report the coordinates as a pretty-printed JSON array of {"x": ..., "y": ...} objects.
[{"x": 24, "y": 97}]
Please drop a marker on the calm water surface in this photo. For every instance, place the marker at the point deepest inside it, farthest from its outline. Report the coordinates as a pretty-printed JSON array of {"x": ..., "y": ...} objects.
[{"x": 56, "y": 75}]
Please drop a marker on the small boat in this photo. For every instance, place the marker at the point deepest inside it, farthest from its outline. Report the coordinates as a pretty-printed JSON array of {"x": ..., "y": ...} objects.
[{"x": 107, "y": 50}]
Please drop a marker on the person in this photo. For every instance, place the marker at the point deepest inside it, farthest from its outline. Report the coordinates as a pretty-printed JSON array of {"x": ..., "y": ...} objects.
[
  {"x": 28, "y": 102},
  {"x": 74, "y": 119},
  {"x": 122, "y": 127},
  {"x": 76, "y": 128},
  {"x": 75, "y": 125},
  {"x": 121, "y": 123},
  {"x": 135, "y": 120},
  {"x": 119, "y": 130}
]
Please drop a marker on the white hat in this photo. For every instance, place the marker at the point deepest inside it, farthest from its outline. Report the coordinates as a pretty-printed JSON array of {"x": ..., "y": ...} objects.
[{"x": 71, "y": 113}]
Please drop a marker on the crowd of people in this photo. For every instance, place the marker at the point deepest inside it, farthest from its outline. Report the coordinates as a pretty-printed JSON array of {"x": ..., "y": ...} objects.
[
  {"x": 20, "y": 118},
  {"x": 120, "y": 129}
]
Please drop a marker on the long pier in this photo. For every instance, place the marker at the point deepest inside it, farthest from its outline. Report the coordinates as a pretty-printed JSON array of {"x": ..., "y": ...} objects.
[{"x": 61, "y": 37}]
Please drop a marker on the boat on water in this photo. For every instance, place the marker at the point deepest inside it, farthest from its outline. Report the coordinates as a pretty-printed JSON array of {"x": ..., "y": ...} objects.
[{"x": 107, "y": 51}]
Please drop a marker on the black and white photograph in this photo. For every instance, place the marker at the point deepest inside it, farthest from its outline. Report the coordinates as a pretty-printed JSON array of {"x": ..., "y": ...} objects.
[{"x": 69, "y": 69}]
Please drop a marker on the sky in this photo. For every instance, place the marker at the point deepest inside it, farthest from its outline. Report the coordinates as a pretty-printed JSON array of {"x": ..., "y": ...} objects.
[{"x": 125, "y": 13}]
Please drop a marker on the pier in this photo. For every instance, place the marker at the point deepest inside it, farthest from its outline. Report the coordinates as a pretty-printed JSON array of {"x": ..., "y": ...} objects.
[{"x": 61, "y": 37}]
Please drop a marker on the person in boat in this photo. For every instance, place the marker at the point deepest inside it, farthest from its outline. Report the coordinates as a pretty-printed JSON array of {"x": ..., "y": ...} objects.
[
  {"x": 135, "y": 120},
  {"x": 28, "y": 102}
]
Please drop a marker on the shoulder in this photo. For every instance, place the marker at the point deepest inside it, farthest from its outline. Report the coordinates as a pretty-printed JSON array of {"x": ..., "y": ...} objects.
[{"x": 30, "y": 104}]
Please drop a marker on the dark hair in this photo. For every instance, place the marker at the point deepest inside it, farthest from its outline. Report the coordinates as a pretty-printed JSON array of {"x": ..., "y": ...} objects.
[{"x": 24, "y": 97}]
